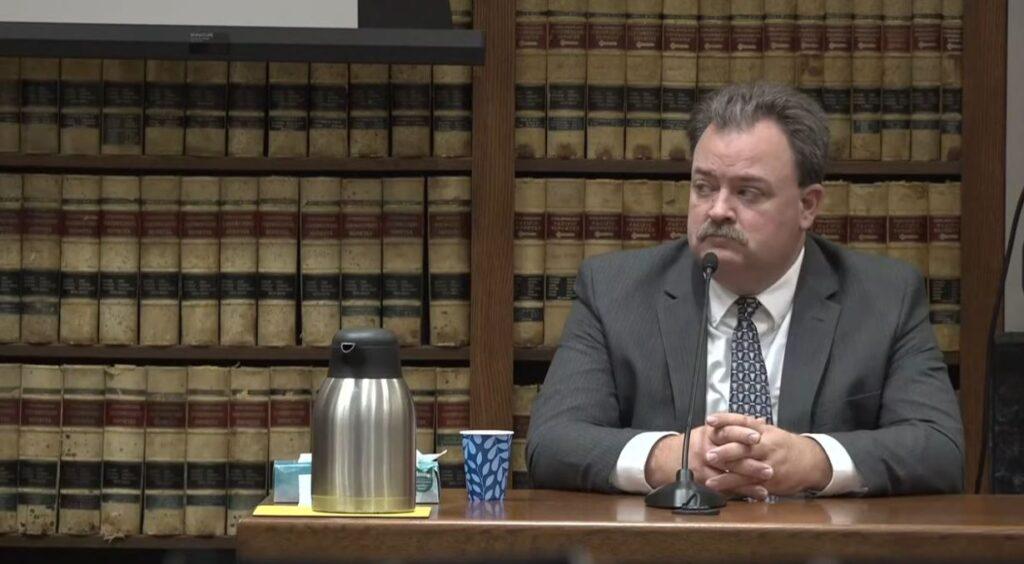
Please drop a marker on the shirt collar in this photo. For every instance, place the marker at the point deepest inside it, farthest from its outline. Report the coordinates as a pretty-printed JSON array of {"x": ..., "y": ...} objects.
[{"x": 777, "y": 299}]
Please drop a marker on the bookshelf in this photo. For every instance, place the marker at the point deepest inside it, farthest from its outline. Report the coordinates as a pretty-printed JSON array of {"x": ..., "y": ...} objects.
[{"x": 137, "y": 542}]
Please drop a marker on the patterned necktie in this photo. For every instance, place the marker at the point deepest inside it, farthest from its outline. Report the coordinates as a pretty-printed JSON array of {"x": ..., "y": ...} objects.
[{"x": 749, "y": 393}]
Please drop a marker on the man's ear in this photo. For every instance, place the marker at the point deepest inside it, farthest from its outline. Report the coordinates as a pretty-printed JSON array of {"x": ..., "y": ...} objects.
[{"x": 811, "y": 199}]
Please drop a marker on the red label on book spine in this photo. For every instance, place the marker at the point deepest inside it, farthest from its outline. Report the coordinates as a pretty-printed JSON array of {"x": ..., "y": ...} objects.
[
  {"x": 640, "y": 228},
  {"x": 453, "y": 415},
  {"x": 9, "y": 411},
  {"x": 40, "y": 412},
  {"x": 160, "y": 224},
  {"x": 529, "y": 226},
  {"x": 289, "y": 412},
  {"x": 360, "y": 226},
  {"x": 446, "y": 225},
  {"x": 10, "y": 222},
  {"x": 780, "y": 36},
  {"x": 598, "y": 226},
  {"x": 81, "y": 224},
  {"x": 673, "y": 227},
  {"x": 125, "y": 413},
  {"x": 908, "y": 229},
  {"x": 835, "y": 229},
  {"x": 944, "y": 229},
  {"x": 199, "y": 225},
  {"x": 564, "y": 227},
  {"x": 82, "y": 413},
  {"x": 643, "y": 36},
  {"x": 926, "y": 37},
  {"x": 207, "y": 415},
  {"x": 41, "y": 222},
  {"x": 249, "y": 415},
  {"x": 403, "y": 225},
  {"x": 120, "y": 224},
  {"x": 679, "y": 38},
  {"x": 531, "y": 35},
  {"x": 321, "y": 226},
  {"x": 280, "y": 225},
  {"x": 241, "y": 224},
  {"x": 165, "y": 415},
  {"x": 566, "y": 35},
  {"x": 867, "y": 229}
]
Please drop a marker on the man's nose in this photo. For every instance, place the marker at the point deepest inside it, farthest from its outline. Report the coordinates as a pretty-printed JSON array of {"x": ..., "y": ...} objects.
[{"x": 721, "y": 207}]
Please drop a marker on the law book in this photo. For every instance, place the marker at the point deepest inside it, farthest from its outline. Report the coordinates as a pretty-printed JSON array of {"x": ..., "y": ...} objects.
[
  {"x": 10, "y": 104},
  {"x": 448, "y": 239},
  {"x": 675, "y": 207},
  {"x": 641, "y": 211},
  {"x": 239, "y": 277},
  {"x": 780, "y": 41},
  {"x": 452, "y": 416},
  {"x": 403, "y": 218},
  {"x": 123, "y": 100},
  {"x": 522, "y": 403},
  {"x": 952, "y": 30},
  {"x": 810, "y": 47},
  {"x": 866, "y": 89},
  {"x": 838, "y": 76},
  {"x": 452, "y": 94},
  {"x": 119, "y": 261},
  {"x": 528, "y": 263},
  {"x": 833, "y": 220},
  {"x": 164, "y": 501},
  {"x": 563, "y": 251},
  {"x": 896, "y": 80},
  {"x": 81, "y": 450},
  {"x": 320, "y": 261},
  {"x": 206, "y": 450},
  {"x": 278, "y": 260},
  {"x": 290, "y": 412},
  {"x": 39, "y": 441},
  {"x": 159, "y": 260},
  {"x": 643, "y": 79},
  {"x": 248, "y": 443},
  {"x": 567, "y": 78},
  {"x": 81, "y": 100},
  {"x": 410, "y": 110},
  {"x": 361, "y": 208},
  {"x": 10, "y": 400},
  {"x": 40, "y": 90},
  {"x": 746, "y": 41},
  {"x": 288, "y": 116},
  {"x": 714, "y": 40},
  {"x": 422, "y": 382},
  {"x": 200, "y": 260},
  {"x": 680, "y": 36},
  {"x": 124, "y": 442},
  {"x": 368, "y": 125},
  {"x": 80, "y": 259},
  {"x": 40, "y": 258},
  {"x": 944, "y": 262},
  {"x": 869, "y": 210},
  {"x": 606, "y": 79},
  {"x": 328, "y": 110},
  {"x": 908, "y": 224},
  {"x": 206, "y": 108},
  {"x": 10, "y": 257},
  {"x": 247, "y": 108},
  {"x": 531, "y": 72},
  {"x": 926, "y": 80},
  {"x": 166, "y": 97},
  {"x": 602, "y": 216}
]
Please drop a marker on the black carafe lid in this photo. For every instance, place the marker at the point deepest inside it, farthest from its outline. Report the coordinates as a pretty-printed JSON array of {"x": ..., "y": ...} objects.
[{"x": 365, "y": 353}]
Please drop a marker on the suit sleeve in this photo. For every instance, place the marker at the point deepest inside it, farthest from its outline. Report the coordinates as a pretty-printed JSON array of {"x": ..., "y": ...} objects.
[
  {"x": 918, "y": 446},
  {"x": 576, "y": 434}
]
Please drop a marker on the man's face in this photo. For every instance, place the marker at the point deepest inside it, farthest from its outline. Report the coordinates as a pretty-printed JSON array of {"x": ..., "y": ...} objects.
[{"x": 746, "y": 205}]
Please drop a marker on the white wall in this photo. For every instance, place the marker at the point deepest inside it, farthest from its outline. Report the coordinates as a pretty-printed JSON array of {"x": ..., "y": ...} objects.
[{"x": 1014, "y": 307}]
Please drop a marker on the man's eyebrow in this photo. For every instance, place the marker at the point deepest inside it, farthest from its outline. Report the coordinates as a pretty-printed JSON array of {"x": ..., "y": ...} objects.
[{"x": 741, "y": 177}]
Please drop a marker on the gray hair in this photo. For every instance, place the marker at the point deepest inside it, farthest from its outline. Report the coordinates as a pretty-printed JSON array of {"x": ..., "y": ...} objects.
[{"x": 741, "y": 106}]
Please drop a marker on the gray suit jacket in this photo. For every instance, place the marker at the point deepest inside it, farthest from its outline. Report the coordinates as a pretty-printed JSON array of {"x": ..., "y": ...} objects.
[{"x": 861, "y": 365}]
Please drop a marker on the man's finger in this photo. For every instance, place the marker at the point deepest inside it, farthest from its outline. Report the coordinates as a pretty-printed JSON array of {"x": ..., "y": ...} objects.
[
  {"x": 751, "y": 468},
  {"x": 724, "y": 419},
  {"x": 731, "y": 482},
  {"x": 756, "y": 492},
  {"x": 721, "y": 456},
  {"x": 733, "y": 434}
]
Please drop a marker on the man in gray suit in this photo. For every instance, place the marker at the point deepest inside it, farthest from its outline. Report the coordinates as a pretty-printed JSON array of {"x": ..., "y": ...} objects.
[{"x": 823, "y": 372}]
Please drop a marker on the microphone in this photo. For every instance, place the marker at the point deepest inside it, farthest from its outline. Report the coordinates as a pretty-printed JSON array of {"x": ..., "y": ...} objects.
[{"x": 685, "y": 496}]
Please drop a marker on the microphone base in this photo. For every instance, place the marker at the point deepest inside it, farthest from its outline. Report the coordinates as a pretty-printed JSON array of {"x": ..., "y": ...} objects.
[{"x": 686, "y": 496}]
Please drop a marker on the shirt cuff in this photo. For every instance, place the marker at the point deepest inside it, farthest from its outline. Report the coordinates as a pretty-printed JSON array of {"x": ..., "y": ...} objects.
[
  {"x": 845, "y": 477},
  {"x": 630, "y": 470}
]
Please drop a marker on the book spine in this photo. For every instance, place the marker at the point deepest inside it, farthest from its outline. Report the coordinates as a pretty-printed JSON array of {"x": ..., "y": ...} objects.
[
  {"x": 675, "y": 207},
  {"x": 290, "y": 412},
  {"x": 952, "y": 79},
  {"x": 926, "y": 80},
  {"x": 422, "y": 382},
  {"x": 121, "y": 120},
  {"x": 81, "y": 452},
  {"x": 402, "y": 259},
  {"x": 39, "y": 449},
  {"x": 680, "y": 36},
  {"x": 206, "y": 450},
  {"x": 239, "y": 277},
  {"x": 410, "y": 110},
  {"x": 10, "y": 404},
  {"x": 810, "y": 47},
  {"x": 944, "y": 262},
  {"x": 40, "y": 258},
  {"x": 248, "y": 445},
  {"x": 368, "y": 119},
  {"x": 166, "y": 396},
  {"x": 288, "y": 119},
  {"x": 606, "y": 79},
  {"x": 200, "y": 260},
  {"x": 866, "y": 91},
  {"x": 780, "y": 41},
  {"x": 164, "y": 119},
  {"x": 453, "y": 96},
  {"x": 713, "y": 43},
  {"x": 328, "y": 110},
  {"x": 10, "y": 105},
  {"x": 320, "y": 261},
  {"x": 159, "y": 260},
  {"x": 448, "y": 235},
  {"x": 563, "y": 252},
  {"x": 119, "y": 261},
  {"x": 908, "y": 224},
  {"x": 81, "y": 97},
  {"x": 602, "y": 216},
  {"x": 278, "y": 260},
  {"x": 206, "y": 108},
  {"x": 643, "y": 79},
  {"x": 641, "y": 208},
  {"x": 522, "y": 403},
  {"x": 247, "y": 108},
  {"x": 838, "y": 76},
  {"x": 531, "y": 77},
  {"x": 528, "y": 264},
  {"x": 452, "y": 417},
  {"x": 10, "y": 257},
  {"x": 567, "y": 78},
  {"x": 40, "y": 90},
  {"x": 746, "y": 41},
  {"x": 896, "y": 80},
  {"x": 869, "y": 209},
  {"x": 80, "y": 260},
  {"x": 361, "y": 207},
  {"x": 833, "y": 221},
  {"x": 124, "y": 441}
]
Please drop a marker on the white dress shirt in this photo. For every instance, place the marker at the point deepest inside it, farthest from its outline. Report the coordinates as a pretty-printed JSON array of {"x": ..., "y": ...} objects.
[{"x": 772, "y": 321}]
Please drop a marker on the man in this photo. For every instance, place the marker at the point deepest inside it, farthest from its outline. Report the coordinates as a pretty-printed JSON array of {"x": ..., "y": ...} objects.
[{"x": 823, "y": 372}]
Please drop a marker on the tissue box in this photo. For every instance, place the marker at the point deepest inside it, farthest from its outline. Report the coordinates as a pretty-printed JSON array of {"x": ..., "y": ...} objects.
[
  {"x": 286, "y": 479},
  {"x": 427, "y": 485}
]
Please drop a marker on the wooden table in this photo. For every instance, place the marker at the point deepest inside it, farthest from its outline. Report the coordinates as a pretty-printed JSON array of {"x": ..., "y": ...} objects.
[{"x": 532, "y": 523}]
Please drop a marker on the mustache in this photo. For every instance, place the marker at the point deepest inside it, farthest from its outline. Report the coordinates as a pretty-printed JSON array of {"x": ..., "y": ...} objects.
[{"x": 723, "y": 230}]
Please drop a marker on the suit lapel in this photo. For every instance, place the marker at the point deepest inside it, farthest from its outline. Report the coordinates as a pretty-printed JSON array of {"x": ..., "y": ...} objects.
[
  {"x": 811, "y": 331},
  {"x": 678, "y": 315}
]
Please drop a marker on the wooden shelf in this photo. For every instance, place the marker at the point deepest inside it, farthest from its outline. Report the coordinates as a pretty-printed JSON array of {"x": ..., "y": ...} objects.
[
  {"x": 221, "y": 166},
  {"x": 545, "y": 354},
  {"x": 681, "y": 169},
  {"x": 133, "y": 542},
  {"x": 192, "y": 355}
]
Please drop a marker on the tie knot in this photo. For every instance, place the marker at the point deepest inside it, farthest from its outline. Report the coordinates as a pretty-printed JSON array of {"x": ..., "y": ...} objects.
[{"x": 745, "y": 307}]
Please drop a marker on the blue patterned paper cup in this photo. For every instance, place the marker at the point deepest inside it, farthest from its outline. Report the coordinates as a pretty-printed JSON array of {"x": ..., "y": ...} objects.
[{"x": 487, "y": 460}]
